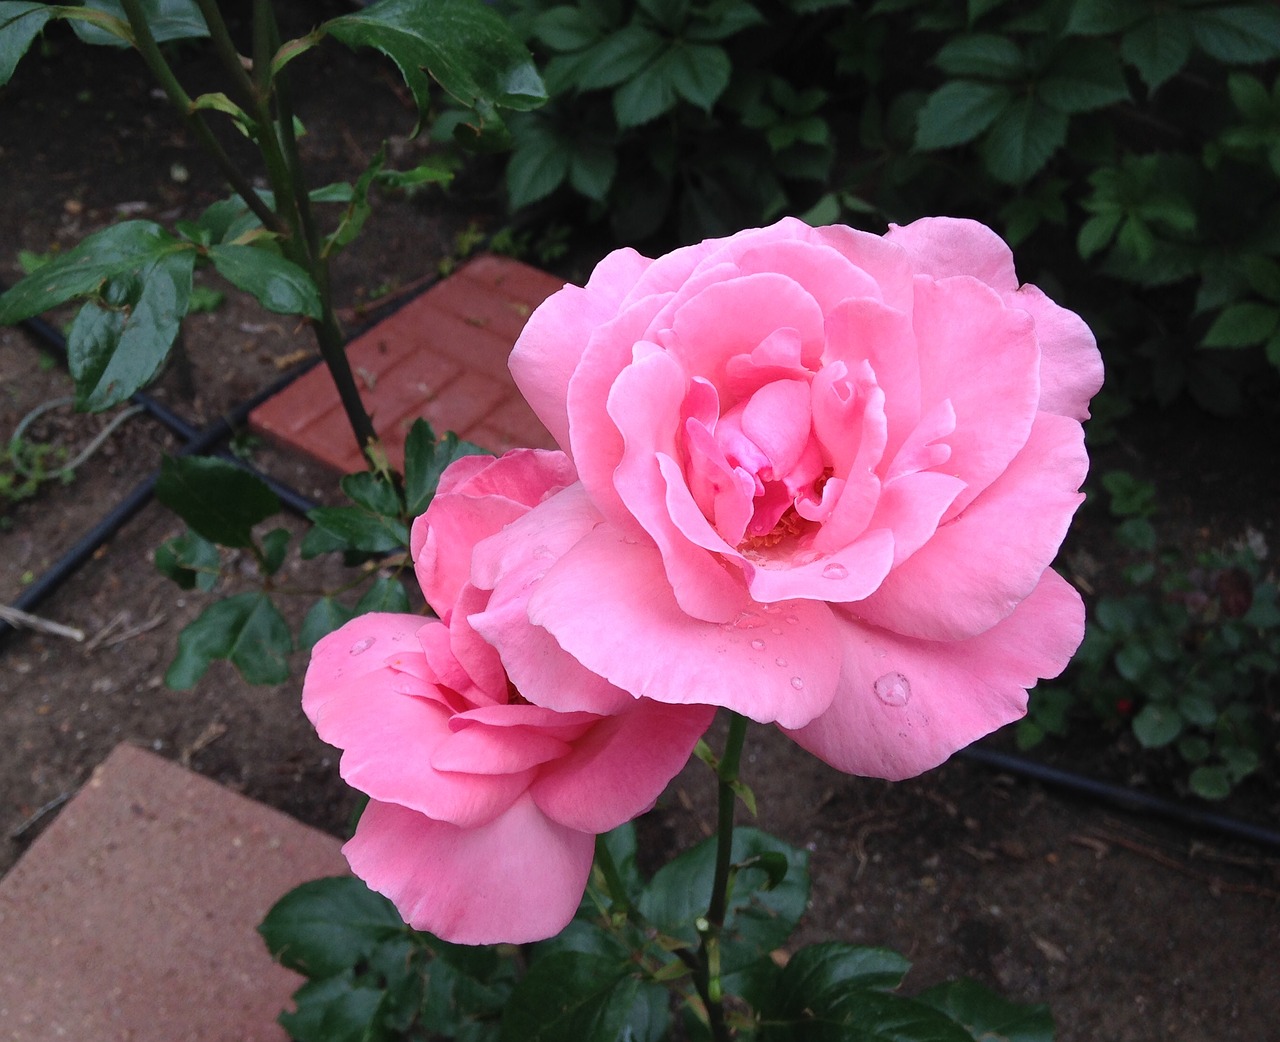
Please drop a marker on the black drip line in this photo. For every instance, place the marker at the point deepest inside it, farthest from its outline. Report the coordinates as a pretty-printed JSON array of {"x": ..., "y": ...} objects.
[{"x": 207, "y": 441}]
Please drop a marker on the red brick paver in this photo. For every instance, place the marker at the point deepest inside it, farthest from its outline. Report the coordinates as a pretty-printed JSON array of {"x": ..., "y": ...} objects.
[
  {"x": 443, "y": 356},
  {"x": 133, "y": 915}
]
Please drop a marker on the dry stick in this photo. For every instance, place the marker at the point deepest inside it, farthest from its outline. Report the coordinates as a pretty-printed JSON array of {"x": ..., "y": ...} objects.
[
  {"x": 1216, "y": 883},
  {"x": 17, "y": 617}
]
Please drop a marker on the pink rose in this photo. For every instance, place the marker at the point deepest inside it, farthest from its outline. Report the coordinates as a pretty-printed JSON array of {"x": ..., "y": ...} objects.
[
  {"x": 823, "y": 477},
  {"x": 483, "y": 807}
]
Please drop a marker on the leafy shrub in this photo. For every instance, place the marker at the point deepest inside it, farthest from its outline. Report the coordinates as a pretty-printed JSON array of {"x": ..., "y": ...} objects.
[
  {"x": 1187, "y": 657},
  {"x": 699, "y": 112},
  {"x": 1130, "y": 147}
]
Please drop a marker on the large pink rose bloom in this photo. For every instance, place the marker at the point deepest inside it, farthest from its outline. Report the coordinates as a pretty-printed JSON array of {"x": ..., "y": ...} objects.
[
  {"x": 483, "y": 807},
  {"x": 827, "y": 473}
]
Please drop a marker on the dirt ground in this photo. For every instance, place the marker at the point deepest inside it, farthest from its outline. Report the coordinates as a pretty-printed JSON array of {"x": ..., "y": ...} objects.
[{"x": 1128, "y": 928}]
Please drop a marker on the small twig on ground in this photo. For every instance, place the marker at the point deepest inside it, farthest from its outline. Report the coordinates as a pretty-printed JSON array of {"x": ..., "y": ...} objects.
[
  {"x": 134, "y": 631},
  {"x": 34, "y": 819},
  {"x": 212, "y": 732},
  {"x": 17, "y": 617},
  {"x": 112, "y": 625},
  {"x": 1216, "y": 884}
]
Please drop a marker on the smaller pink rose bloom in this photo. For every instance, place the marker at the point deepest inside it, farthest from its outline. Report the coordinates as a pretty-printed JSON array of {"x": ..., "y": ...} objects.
[
  {"x": 824, "y": 475},
  {"x": 483, "y": 807}
]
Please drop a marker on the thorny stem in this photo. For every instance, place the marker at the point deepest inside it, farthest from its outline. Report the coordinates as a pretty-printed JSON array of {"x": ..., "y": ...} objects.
[
  {"x": 226, "y": 50},
  {"x": 285, "y": 165},
  {"x": 612, "y": 877},
  {"x": 160, "y": 68},
  {"x": 294, "y": 223},
  {"x": 707, "y": 975}
]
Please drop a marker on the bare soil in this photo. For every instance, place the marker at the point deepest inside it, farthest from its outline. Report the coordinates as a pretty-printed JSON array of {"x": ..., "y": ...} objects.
[{"x": 1128, "y": 928}]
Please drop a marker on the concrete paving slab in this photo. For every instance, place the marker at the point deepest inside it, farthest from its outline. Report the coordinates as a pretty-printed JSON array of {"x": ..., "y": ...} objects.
[{"x": 133, "y": 916}]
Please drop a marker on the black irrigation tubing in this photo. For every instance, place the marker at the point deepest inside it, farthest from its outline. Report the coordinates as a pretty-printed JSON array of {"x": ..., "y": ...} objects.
[
  {"x": 197, "y": 441},
  {"x": 1122, "y": 796}
]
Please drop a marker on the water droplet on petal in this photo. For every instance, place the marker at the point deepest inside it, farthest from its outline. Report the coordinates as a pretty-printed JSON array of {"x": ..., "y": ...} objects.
[
  {"x": 793, "y": 619},
  {"x": 893, "y": 689},
  {"x": 771, "y": 609},
  {"x": 807, "y": 557},
  {"x": 797, "y": 683},
  {"x": 758, "y": 644},
  {"x": 749, "y": 620},
  {"x": 780, "y": 661},
  {"x": 775, "y": 631},
  {"x": 361, "y": 646},
  {"x": 835, "y": 571}
]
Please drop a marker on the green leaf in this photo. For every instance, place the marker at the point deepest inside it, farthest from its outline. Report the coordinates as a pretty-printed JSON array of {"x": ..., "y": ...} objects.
[
  {"x": 466, "y": 47},
  {"x": 322, "y": 618},
  {"x": 1194, "y": 748},
  {"x": 1103, "y": 17},
  {"x": 584, "y": 997},
  {"x": 247, "y": 629},
  {"x": 957, "y": 112},
  {"x": 1211, "y": 782},
  {"x": 989, "y": 1017},
  {"x": 167, "y": 20},
  {"x": 1156, "y": 725},
  {"x": 358, "y": 207},
  {"x": 592, "y": 168},
  {"x": 699, "y": 72},
  {"x": 20, "y": 23},
  {"x": 1085, "y": 75},
  {"x": 722, "y": 19},
  {"x": 1238, "y": 34},
  {"x": 127, "y": 248},
  {"x": 385, "y": 594},
  {"x": 328, "y": 925},
  {"x": 1132, "y": 661},
  {"x": 538, "y": 165},
  {"x": 352, "y": 529},
  {"x": 566, "y": 28},
  {"x": 1240, "y": 760},
  {"x": 856, "y": 1014},
  {"x": 1159, "y": 46},
  {"x": 1097, "y": 232},
  {"x": 1242, "y": 325},
  {"x": 217, "y": 499},
  {"x": 275, "y": 544},
  {"x": 982, "y": 54},
  {"x": 618, "y": 57},
  {"x": 648, "y": 94},
  {"x": 228, "y": 219},
  {"x": 757, "y": 921},
  {"x": 1022, "y": 139},
  {"x": 821, "y": 970},
  {"x": 190, "y": 560},
  {"x": 374, "y": 492},
  {"x": 118, "y": 348},
  {"x": 1197, "y": 708},
  {"x": 425, "y": 460},
  {"x": 335, "y": 1009},
  {"x": 277, "y": 283}
]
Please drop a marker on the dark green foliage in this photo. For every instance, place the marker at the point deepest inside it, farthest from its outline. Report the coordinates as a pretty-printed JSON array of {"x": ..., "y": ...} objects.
[
  {"x": 613, "y": 972},
  {"x": 673, "y": 114},
  {"x": 1184, "y": 656},
  {"x": 225, "y": 505},
  {"x": 1129, "y": 150}
]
